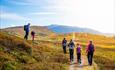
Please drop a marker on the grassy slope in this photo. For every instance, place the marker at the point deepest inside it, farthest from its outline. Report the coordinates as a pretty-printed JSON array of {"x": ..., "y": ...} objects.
[{"x": 17, "y": 54}]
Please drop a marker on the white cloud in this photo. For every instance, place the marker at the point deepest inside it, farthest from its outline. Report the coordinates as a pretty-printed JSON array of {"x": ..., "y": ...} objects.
[
  {"x": 17, "y": 2},
  {"x": 29, "y": 2},
  {"x": 42, "y": 13},
  {"x": 95, "y": 14},
  {"x": 20, "y": 3},
  {"x": 12, "y": 16}
]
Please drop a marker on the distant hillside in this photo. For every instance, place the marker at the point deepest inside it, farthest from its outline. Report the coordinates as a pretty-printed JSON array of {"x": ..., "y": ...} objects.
[
  {"x": 52, "y": 29},
  {"x": 18, "y": 31},
  {"x": 70, "y": 29}
]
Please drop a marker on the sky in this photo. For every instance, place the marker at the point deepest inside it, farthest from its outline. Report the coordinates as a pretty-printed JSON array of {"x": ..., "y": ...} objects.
[{"x": 95, "y": 14}]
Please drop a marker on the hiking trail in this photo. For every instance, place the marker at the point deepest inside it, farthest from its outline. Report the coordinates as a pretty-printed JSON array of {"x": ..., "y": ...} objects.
[{"x": 84, "y": 64}]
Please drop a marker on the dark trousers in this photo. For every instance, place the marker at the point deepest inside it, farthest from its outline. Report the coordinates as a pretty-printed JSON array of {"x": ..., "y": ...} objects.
[
  {"x": 64, "y": 49},
  {"x": 71, "y": 51},
  {"x": 79, "y": 57},
  {"x": 90, "y": 57},
  {"x": 26, "y": 35}
]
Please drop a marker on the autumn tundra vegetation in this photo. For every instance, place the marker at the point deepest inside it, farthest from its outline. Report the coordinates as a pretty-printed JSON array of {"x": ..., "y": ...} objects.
[{"x": 46, "y": 52}]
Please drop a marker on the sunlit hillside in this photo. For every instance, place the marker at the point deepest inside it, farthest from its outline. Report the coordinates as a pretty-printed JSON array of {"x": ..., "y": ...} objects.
[
  {"x": 18, "y": 54},
  {"x": 47, "y": 49},
  {"x": 41, "y": 31}
]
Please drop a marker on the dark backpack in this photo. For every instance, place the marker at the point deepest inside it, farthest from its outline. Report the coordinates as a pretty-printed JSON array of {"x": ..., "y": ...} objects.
[
  {"x": 25, "y": 27},
  {"x": 91, "y": 48},
  {"x": 64, "y": 42},
  {"x": 71, "y": 44}
]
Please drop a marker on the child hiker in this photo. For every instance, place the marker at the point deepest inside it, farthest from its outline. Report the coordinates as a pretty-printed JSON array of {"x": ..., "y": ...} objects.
[
  {"x": 78, "y": 50},
  {"x": 33, "y": 35}
]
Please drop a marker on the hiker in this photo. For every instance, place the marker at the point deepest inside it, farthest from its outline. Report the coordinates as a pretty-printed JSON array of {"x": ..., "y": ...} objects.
[
  {"x": 33, "y": 35},
  {"x": 71, "y": 46},
  {"x": 78, "y": 50},
  {"x": 64, "y": 44},
  {"x": 90, "y": 51},
  {"x": 26, "y": 29}
]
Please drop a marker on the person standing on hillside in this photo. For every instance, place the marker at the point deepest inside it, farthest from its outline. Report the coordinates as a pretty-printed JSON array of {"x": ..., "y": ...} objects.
[
  {"x": 78, "y": 50},
  {"x": 64, "y": 44},
  {"x": 33, "y": 35},
  {"x": 26, "y": 29},
  {"x": 71, "y": 46},
  {"x": 90, "y": 51}
]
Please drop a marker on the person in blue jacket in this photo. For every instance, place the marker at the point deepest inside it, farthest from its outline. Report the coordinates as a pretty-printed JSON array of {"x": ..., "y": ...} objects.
[{"x": 26, "y": 29}]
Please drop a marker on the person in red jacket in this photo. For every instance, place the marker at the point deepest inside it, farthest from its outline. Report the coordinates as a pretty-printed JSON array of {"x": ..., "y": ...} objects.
[
  {"x": 33, "y": 35},
  {"x": 90, "y": 51}
]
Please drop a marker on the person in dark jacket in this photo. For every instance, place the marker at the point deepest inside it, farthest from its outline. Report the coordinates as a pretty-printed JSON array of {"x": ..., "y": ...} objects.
[
  {"x": 64, "y": 44},
  {"x": 90, "y": 51},
  {"x": 71, "y": 46},
  {"x": 26, "y": 29}
]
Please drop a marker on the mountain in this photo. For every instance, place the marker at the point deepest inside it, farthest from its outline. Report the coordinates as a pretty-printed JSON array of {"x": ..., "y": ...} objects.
[
  {"x": 53, "y": 29},
  {"x": 70, "y": 29}
]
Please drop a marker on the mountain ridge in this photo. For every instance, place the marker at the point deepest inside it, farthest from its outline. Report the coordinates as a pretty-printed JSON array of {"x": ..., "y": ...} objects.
[
  {"x": 61, "y": 29},
  {"x": 69, "y": 29}
]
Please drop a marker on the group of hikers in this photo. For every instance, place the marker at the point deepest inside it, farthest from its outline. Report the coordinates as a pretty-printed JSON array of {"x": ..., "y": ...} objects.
[
  {"x": 27, "y": 29},
  {"x": 89, "y": 50}
]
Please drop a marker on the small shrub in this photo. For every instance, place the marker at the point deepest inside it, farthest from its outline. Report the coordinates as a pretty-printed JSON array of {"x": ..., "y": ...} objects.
[
  {"x": 9, "y": 66},
  {"x": 1, "y": 48},
  {"x": 29, "y": 50}
]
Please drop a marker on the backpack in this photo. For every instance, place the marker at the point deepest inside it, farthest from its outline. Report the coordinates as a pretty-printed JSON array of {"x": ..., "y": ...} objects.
[
  {"x": 91, "y": 48},
  {"x": 71, "y": 45},
  {"x": 25, "y": 27},
  {"x": 64, "y": 42}
]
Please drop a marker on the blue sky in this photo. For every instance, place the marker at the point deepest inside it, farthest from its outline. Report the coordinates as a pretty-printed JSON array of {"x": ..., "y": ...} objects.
[{"x": 94, "y": 14}]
